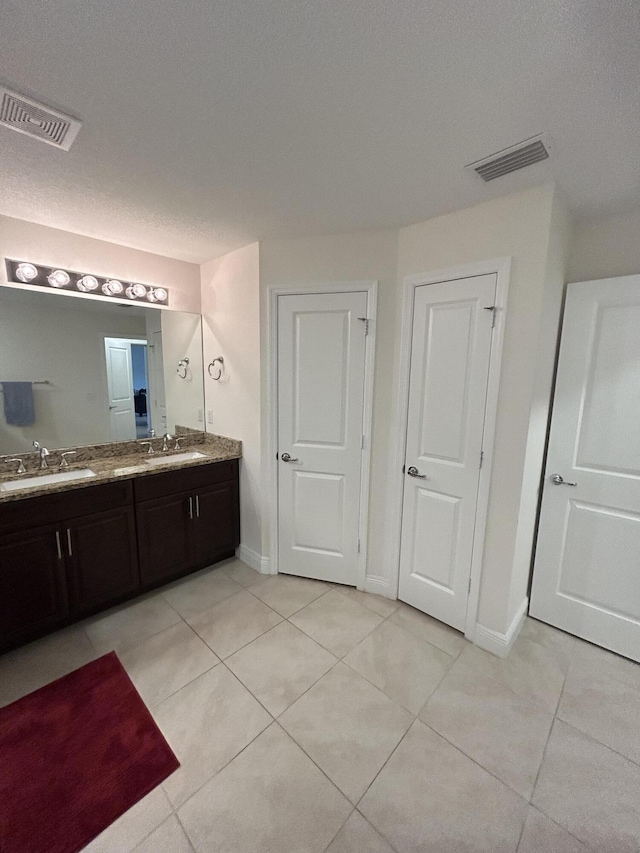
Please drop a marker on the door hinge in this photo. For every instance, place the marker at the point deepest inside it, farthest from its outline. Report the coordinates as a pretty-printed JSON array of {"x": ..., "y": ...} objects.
[
  {"x": 481, "y": 458},
  {"x": 365, "y": 320},
  {"x": 492, "y": 308},
  {"x": 469, "y": 587},
  {"x": 358, "y": 546},
  {"x": 362, "y": 443}
]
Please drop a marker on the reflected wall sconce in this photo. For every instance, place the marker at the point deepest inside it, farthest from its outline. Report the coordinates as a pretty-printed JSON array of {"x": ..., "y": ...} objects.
[{"x": 24, "y": 272}]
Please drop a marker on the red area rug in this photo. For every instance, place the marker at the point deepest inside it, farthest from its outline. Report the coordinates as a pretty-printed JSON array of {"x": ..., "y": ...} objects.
[{"x": 74, "y": 756}]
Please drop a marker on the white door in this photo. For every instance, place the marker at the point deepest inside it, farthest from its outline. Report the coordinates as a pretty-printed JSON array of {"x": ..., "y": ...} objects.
[
  {"x": 321, "y": 360},
  {"x": 122, "y": 414},
  {"x": 450, "y": 350},
  {"x": 586, "y": 578}
]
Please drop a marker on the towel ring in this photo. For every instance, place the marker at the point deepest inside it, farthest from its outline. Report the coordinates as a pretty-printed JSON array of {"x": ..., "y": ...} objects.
[
  {"x": 220, "y": 369},
  {"x": 183, "y": 367}
]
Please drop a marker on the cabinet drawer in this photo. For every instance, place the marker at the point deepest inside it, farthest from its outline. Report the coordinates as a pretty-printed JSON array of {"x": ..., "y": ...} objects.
[
  {"x": 184, "y": 480},
  {"x": 63, "y": 506}
]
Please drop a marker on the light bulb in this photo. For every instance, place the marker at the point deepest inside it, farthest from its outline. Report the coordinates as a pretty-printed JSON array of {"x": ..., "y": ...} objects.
[
  {"x": 58, "y": 278},
  {"x": 161, "y": 294},
  {"x": 113, "y": 287},
  {"x": 151, "y": 296},
  {"x": 26, "y": 272},
  {"x": 136, "y": 291},
  {"x": 87, "y": 283}
]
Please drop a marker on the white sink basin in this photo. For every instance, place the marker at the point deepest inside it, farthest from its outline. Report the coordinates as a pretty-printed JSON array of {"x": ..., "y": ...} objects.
[
  {"x": 47, "y": 480},
  {"x": 185, "y": 456}
]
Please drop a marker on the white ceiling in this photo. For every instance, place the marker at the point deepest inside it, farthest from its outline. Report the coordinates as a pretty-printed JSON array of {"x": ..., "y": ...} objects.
[{"x": 208, "y": 125}]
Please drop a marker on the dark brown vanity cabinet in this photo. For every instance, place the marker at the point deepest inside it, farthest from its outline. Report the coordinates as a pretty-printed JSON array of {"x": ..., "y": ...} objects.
[
  {"x": 65, "y": 555},
  {"x": 187, "y": 519},
  {"x": 33, "y": 592},
  {"x": 56, "y": 564}
]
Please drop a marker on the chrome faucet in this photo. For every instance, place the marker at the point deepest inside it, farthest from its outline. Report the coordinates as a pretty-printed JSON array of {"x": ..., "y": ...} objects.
[
  {"x": 21, "y": 469},
  {"x": 63, "y": 458},
  {"x": 166, "y": 438},
  {"x": 43, "y": 453}
]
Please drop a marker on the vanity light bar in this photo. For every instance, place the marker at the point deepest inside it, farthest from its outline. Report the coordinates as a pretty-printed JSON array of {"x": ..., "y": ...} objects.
[{"x": 24, "y": 272}]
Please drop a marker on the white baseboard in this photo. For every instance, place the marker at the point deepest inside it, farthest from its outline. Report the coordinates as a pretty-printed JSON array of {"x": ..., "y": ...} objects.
[
  {"x": 253, "y": 559},
  {"x": 377, "y": 585},
  {"x": 500, "y": 644}
]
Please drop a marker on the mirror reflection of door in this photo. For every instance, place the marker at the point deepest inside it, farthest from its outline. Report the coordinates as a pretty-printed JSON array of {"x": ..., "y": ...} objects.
[
  {"x": 126, "y": 365},
  {"x": 157, "y": 399}
]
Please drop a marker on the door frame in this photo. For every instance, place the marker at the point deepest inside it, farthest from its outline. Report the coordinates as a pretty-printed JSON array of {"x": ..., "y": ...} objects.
[
  {"x": 127, "y": 339},
  {"x": 371, "y": 289},
  {"x": 501, "y": 267}
]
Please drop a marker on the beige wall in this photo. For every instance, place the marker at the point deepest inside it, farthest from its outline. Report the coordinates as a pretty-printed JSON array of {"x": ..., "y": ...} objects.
[
  {"x": 27, "y": 241},
  {"x": 548, "y": 337},
  {"x": 606, "y": 247},
  {"x": 231, "y": 328},
  {"x": 345, "y": 257},
  {"x": 515, "y": 226}
]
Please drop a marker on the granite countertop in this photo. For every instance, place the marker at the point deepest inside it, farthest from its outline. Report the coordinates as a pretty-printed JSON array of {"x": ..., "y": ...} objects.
[{"x": 118, "y": 461}]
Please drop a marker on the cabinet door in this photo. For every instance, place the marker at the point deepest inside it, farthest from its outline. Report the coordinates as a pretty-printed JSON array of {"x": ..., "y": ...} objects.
[
  {"x": 217, "y": 527},
  {"x": 164, "y": 537},
  {"x": 100, "y": 552},
  {"x": 33, "y": 595}
]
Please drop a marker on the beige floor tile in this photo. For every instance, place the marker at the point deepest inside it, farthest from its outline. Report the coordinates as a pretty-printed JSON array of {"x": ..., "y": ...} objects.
[
  {"x": 547, "y": 635},
  {"x": 199, "y": 593},
  {"x": 590, "y": 790},
  {"x": 134, "y": 826},
  {"x": 541, "y": 835},
  {"x": 166, "y": 662},
  {"x": 30, "y": 667},
  {"x": 336, "y": 621},
  {"x": 207, "y": 723},
  {"x": 601, "y": 662},
  {"x": 430, "y": 798},
  {"x": 531, "y": 670},
  {"x": 505, "y": 733},
  {"x": 358, "y": 836},
  {"x": 604, "y": 708},
  {"x": 270, "y": 799},
  {"x": 378, "y": 603},
  {"x": 348, "y": 727},
  {"x": 241, "y": 573},
  {"x": 287, "y": 594},
  {"x": 402, "y": 666},
  {"x": 129, "y": 624},
  {"x": 234, "y": 622},
  {"x": 169, "y": 837},
  {"x": 428, "y": 629},
  {"x": 280, "y": 666}
]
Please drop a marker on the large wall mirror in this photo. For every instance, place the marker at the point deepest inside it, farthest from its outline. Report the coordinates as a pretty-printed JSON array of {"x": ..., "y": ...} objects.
[{"x": 94, "y": 371}]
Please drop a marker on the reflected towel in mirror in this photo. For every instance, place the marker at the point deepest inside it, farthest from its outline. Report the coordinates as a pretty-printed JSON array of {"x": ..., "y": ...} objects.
[{"x": 18, "y": 403}]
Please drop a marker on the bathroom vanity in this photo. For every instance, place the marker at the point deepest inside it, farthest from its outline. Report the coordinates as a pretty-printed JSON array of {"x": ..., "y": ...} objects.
[{"x": 77, "y": 548}]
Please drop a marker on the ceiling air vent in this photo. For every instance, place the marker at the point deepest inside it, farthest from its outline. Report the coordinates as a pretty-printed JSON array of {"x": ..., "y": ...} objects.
[
  {"x": 511, "y": 159},
  {"x": 27, "y": 116}
]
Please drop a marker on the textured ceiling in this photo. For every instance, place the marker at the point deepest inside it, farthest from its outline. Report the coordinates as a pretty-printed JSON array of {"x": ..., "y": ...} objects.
[{"x": 208, "y": 125}]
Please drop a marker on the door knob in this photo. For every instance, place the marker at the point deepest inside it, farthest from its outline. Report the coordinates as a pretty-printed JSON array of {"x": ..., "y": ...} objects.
[
  {"x": 287, "y": 458},
  {"x": 413, "y": 472},
  {"x": 558, "y": 480}
]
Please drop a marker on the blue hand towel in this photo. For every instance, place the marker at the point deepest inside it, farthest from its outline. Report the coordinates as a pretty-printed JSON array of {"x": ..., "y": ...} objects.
[{"x": 18, "y": 403}]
